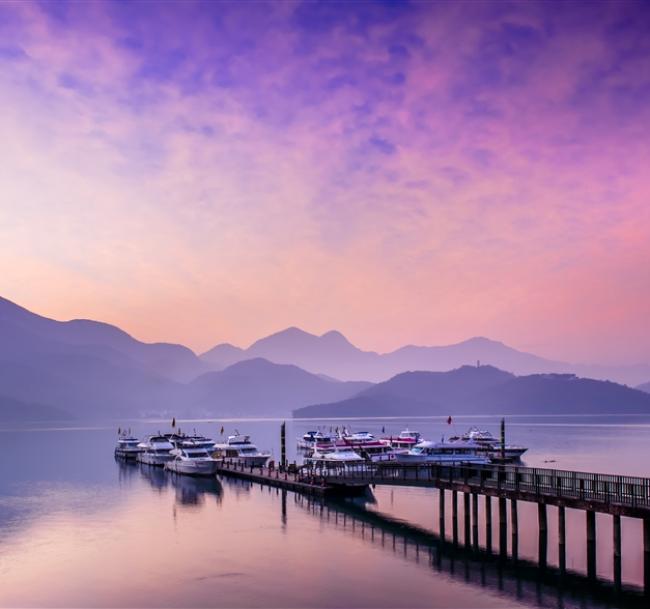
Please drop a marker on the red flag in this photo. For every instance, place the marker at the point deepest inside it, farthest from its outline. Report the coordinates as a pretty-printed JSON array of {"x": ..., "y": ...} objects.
[{"x": 449, "y": 420}]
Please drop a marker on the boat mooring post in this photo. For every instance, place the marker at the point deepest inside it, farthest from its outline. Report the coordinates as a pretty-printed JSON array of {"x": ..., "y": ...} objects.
[{"x": 283, "y": 445}]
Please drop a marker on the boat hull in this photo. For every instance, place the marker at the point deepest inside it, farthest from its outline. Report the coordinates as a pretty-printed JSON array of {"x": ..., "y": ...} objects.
[
  {"x": 193, "y": 467},
  {"x": 155, "y": 460},
  {"x": 441, "y": 459},
  {"x": 127, "y": 455}
]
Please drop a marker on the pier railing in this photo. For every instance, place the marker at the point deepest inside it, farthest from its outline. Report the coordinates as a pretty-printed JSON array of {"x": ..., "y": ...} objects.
[{"x": 629, "y": 491}]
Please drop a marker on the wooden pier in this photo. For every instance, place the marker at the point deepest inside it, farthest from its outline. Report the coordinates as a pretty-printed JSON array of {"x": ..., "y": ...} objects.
[
  {"x": 592, "y": 493},
  {"x": 296, "y": 481}
]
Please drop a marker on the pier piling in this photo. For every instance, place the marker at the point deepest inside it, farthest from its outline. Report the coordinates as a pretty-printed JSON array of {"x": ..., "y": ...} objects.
[
  {"x": 503, "y": 528},
  {"x": 591, "y": 544},
  {"x": 616, "y": 522},
  {"x": 466, "y": 517},
  {"x": 475, "y": 521},
  {"x": 646, "y": 556},
  {"x": 488, "y": 523},
  {"x": 543, "y": 533},
  {"x": 514, "y": 526},
  {"x": 441, "y": 513},
  {"x": 561, "y": 542},
  {"x": 454, "y": 517}
]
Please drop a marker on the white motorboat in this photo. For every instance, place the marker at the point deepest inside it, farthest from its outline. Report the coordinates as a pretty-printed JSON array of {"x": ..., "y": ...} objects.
[
  {"x": 156, "y": 451},
  {"x": 444, "y": 452},
  {"x": 311, "y": 438},
  {"x": 358, "y": 436},
  {"x": 240, "y": 449},
  {"x": 491, "y": 446},
  {"x": 128, "y": 447},
  {"x": 338, "y": 455},
  {"x": 406, "y": 440},
  {"x": 191, "y": 459}
]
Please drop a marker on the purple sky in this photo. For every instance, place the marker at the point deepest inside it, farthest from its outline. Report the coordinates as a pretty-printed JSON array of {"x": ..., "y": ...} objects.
[{"x": 403, "y": 172}]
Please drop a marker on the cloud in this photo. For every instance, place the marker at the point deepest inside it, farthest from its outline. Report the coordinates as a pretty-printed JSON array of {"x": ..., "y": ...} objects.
[{"x": 404, "y": 172}]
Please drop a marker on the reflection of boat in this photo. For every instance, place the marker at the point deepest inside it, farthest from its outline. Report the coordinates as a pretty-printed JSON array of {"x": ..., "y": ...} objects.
[
  {"x": 193, "y": 491},
  {"x": 156, "y": 451},
  {"x": 489, "y": 445},
  {"x": 127, "y": 447},
  {"x": 240, "y": 449},
  {"x": 155, "y": 476},
  {"x": 192, "y": 460},
  {"x": 443, "y": 452}
]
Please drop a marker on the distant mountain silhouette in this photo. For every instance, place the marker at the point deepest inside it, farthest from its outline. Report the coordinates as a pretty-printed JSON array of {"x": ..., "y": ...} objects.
[
  {"x": 86, "y": 369},
  {"x": 484, "y": 390},
  {"x": 259, "y": 387},
  {"x": 333, "y": 355},
  {"x": 644, "y": 387}
]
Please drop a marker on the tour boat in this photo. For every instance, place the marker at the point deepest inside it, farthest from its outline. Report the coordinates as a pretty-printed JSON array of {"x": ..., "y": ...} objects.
[
  {"x": 444, "y": 452},
  {"x": 406, "y": 440},
  {"x": 192, "y": 459},
  {"x": 309, "y": 440},
  {"x": 155, "y": 451},
  {"x": 128, "y": 447},
  {"x": 337, "y": 455},
  {"x": 491, "y": 446},
  {"x": 240, "y": 449},
  {"x": 362, "y": 436}
]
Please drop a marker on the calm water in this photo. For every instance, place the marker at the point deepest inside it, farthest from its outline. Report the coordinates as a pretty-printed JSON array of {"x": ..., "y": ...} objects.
[{"x": 78, "y": 529}]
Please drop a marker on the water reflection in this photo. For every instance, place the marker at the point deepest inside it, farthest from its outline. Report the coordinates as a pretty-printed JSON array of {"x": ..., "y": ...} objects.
[{"x": 523, "y": 580}]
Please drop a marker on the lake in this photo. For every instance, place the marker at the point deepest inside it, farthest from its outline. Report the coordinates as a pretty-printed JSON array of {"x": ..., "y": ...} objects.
[{"x": 78, "y": 529}]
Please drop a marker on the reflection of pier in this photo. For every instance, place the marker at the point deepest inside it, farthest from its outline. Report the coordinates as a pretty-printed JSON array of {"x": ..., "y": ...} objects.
[
  {"x": 523, "y": 580},
  {"x": 608, "y": 494}
]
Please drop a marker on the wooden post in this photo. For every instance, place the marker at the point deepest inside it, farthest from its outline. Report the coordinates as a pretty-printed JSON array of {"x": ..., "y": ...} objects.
[
  {"x": 646, "y": 556},
  {"x": 543, "y": 534},
  {"x": 561, "y": 547},
  {"x": 454, "y": 517},
  {"x": 617, "y": 551},
  {"x": 514, "y": 524},
  {"x": 503, "y": 440},
  {"x": 503, "y": 528},
  {"x": 466, "y": 517},
  {"x": 475, "y": 521},
  {"x": 441, "y": 514},
  {"x": 283, "y": 446},
  {"x": 488, "y": 523},
  {"x": 591, "y": 544}
]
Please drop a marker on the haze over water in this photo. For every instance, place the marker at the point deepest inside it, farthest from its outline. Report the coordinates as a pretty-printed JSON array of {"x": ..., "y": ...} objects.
[{"x": 96, "y": 533}]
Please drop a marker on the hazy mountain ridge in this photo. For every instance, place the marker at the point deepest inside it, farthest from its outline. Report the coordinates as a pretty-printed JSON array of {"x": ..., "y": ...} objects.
[
  {"x": 333, "y": 355},
  {"x": 85, "y": 369},
  {"x": 644, "y": 387},
  {"x": 484, "y": 390}
]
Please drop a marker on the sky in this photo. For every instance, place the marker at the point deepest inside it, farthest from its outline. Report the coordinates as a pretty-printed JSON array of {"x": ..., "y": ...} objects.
[{"x": 402, "y": 172}]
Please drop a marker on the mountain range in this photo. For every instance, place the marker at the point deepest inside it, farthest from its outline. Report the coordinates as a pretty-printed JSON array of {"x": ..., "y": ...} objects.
[
  {"x": 334, "y": 355},
  {"x": 88, "y": 369},
  {"x": 485, "y": 390}
]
